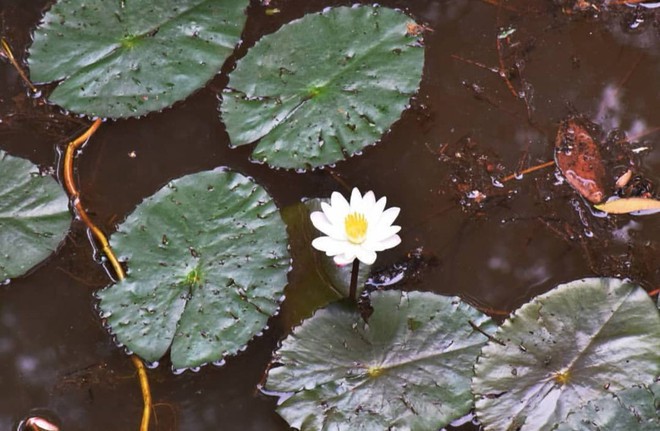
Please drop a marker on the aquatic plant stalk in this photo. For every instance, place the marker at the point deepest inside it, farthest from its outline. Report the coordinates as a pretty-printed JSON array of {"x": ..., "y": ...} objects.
[
  {"x": 146, "y": 392},
  {"x": 74, "y": 194},
  {"x": 71, "y": 188},
  {"x": 12, "y": 60},
  {"x": 352, "y": 291}
]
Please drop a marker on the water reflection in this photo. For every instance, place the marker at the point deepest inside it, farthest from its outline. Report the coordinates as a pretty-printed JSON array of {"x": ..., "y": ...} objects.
[{"x": 57, "y": 355}]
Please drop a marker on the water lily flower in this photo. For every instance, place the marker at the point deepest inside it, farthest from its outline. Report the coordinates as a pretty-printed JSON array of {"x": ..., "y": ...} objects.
[{"x": 357, "y": 229}]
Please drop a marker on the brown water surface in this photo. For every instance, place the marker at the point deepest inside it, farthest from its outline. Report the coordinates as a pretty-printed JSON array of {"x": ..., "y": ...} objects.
[{"x": 497, "y": 247}]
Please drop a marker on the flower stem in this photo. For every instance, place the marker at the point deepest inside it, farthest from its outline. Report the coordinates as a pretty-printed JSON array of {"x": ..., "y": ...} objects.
[{"x": 352, "y": 291}]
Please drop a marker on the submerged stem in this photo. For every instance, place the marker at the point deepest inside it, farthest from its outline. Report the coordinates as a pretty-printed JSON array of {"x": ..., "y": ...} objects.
[
  {"x": 99, "y": 236},
  {"x": 146, "y": 392},
  {"x": 352, "y": 291},
  {"x": 72, "y": 189},
  {"x": 10, "y": 56}
]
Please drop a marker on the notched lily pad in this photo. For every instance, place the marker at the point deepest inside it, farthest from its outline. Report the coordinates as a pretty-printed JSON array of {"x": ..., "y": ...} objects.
[
  {"x": 34, "y": 216},
  {"x": 637, "y": 408},
  {"x": 409, "y": 367},
  {"x": 127, "y": 58},
  {"x": 564, "y": 348},
  {"x": 208, "y": 261},
  {"x": 323, "y": 87}
]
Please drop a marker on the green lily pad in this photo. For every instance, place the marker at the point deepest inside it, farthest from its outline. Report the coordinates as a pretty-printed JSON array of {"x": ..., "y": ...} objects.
[
  {"x": 208, "y": 262},
  {"x": 126, "y": 58},
  {"x": 409, "y": 367},
  {"x": 636, "y": 409},
  {"x": 323, "y": 87},
  {"x": 34, "y": 216},
  {"x": 565, "y": 348}
]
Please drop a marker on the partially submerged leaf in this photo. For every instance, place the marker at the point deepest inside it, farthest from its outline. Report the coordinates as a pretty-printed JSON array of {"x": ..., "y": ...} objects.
[
  {"x": 564, "y": 348},
  {"x": 208, "y": 262},
  {"x": 34, "y": 216},
  {"x": 629, "y": 205},
  {"x": 317, "y": 280},
  {"x": 630, "y": 409},
  {"x": 578, "y": 157},
  {"x": 127, "y": 58},
  {"x": 323, "y": 87},
  {"x": 409, "y": 367}
]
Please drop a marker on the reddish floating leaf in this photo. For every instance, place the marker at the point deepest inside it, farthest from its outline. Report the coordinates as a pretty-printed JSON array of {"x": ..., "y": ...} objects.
[{"x": 578, "y": 157}]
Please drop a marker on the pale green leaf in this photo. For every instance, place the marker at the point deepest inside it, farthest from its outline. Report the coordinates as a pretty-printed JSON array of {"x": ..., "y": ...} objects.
[
  {"x": 208, "y": 261},
  {"x": 408, "y": 367},
  {"x": 34, "y": 216},
  {"x": 565, "y": 348},
  {"x": 126, "y": 58},
  {"x": 323, "y": 87}
]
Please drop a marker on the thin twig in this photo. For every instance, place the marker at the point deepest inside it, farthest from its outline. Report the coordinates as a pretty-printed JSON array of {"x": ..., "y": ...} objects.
[
  {"x": 500, "y": 3},
  {"x": 628, "y": 74},
  {"x": 490, "y": 337},
  {"x": 620, "y": 2},
  {"x": 475, "y": 63},
  {"x": 500, "y": 59},
  {"x": 335, "y": 176},
  {"x": 12, "y": 60},
  {"x": 528, "y": 170},
  {"x": 640, "y": 135}
]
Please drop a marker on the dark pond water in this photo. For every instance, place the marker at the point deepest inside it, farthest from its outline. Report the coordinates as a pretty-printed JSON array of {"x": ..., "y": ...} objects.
[{"x": 465, "y": 125}]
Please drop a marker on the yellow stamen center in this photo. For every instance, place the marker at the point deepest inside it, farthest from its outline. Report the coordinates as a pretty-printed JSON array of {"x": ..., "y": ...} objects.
[
  {"x": 562, "y": 377},
  {"x": 374, "y": 371},
  {"x": 355, "y": 225}
]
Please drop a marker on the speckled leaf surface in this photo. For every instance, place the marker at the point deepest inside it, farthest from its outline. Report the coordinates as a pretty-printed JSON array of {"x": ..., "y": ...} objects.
[
  {"x": 323, "y": 87},
  {"x": 565, "y": 348},
  {"x": 34, "y": 216},
  {"x": 208, "y": 261},
  {"x": 127, "y": 58},
  {"x": 409, "y": 367},
  {"x": 637, "y": 408}
]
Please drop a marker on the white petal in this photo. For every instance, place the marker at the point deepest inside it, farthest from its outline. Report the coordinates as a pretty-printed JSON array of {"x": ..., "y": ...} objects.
[
  {"x": 339, "y": 203},
  {"x": 344, "y": 259},
  {"x": 384, "y": 244},
  {"x": 330, "y": 246},
  {"x": 321, "y": 222},
  {"x": 335, "y": 215},
  {"x": 379, "y": 235},
  {"x": 367, "y": 257},
  {"x": 374, "y": 214},
  {"x": 368, "y": 201},
  {"x": 356, "y": 201},
  {"x": 388, "y": 217}
]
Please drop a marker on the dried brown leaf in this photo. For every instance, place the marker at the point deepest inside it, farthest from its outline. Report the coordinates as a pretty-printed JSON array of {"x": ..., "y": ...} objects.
[{"x": 578, "y": 157}]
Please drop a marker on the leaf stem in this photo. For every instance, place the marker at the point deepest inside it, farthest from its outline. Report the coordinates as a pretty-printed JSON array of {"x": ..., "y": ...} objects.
[
  {"x": 12, "y": 60},
  {"x": 99, "y": 236},
  {"x": 74, "y": 194},
  {"x": 352, "y": 291},
  {"x": 146, "y": 392}
]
